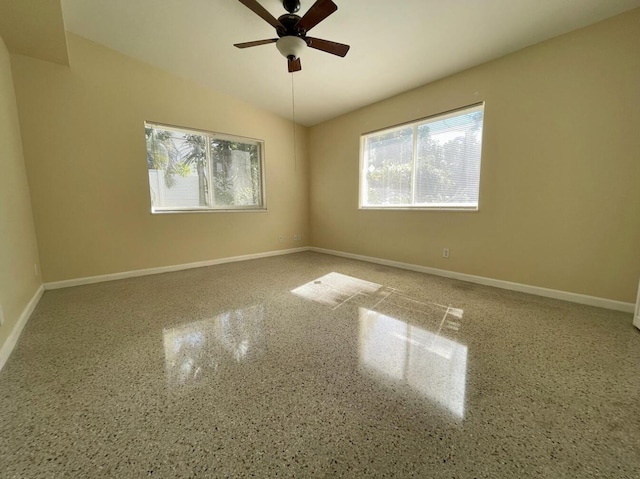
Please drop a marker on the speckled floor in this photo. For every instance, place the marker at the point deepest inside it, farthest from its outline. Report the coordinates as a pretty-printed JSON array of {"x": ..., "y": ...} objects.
[{"x": 309, "y": 365}]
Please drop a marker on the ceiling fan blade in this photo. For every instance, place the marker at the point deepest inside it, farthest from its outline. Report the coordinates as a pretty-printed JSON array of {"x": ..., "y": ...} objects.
[
  {"x": 295, "y": 65},
  {"x": 318, "y": 12},
  {"x": 255, "y": 44},
  {"x": 259, "y": 10},
  {"x": 334, "y": 48}
]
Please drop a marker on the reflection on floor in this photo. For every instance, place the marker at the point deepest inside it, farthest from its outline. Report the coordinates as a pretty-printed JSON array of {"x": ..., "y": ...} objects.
[
  {"x": 396, "y": 347},
  {"x": 197, "y": 348},
  {"x": 309, "y": 365},
  {"x": 432, "y": 364}
]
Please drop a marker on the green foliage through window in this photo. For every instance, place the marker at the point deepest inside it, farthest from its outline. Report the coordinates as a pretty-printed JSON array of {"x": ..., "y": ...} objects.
[
  {"x": 431, "y": 163},
  {"x": 193, "y": 170}
]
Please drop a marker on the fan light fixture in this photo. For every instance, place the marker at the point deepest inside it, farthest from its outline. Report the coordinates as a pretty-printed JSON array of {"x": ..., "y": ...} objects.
[{"x": 291, "y": 47}]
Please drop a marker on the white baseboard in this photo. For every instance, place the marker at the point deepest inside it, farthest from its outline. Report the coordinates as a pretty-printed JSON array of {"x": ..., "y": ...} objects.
[
  {"x": 497, "y": 283},
  {"x": 12, "y": 339},
  {"x": 167, "y": 269}
]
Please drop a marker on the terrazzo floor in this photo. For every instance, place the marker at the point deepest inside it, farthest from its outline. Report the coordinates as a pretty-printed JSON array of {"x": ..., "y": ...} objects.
[{"x": 309, "y": 365}]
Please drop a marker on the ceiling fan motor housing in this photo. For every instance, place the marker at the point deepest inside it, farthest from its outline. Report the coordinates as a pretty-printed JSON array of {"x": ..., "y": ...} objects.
[{"x": 289, "y": 22}]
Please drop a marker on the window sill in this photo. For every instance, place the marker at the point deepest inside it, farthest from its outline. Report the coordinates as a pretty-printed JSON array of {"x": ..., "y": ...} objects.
[
  {"x": 420, "y": 208},
  {"x": 208, "y": 210}
]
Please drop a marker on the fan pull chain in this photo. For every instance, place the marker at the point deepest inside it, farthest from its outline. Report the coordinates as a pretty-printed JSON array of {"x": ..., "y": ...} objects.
[{"x": 293, "y": 115}]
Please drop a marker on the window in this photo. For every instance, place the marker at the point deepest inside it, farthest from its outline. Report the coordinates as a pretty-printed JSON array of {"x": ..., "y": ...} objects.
[
  {"x": 191, "y": 170},
  {"x": 432, "y": 163}
]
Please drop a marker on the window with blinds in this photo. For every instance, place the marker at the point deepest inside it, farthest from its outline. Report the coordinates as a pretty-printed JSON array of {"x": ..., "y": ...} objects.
[
  {"x": 433, "y": 163},
  {"x": 192, "y": 170}
]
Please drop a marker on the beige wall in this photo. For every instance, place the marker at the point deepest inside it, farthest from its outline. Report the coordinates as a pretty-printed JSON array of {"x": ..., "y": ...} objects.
[
  {"x": 18, "y": 248},
  {"x": 559, "y": 199},
  {"x": 85, "y": 153},
  {"x": 560, "y": 179},
  {"x": 34, "y": 28}
]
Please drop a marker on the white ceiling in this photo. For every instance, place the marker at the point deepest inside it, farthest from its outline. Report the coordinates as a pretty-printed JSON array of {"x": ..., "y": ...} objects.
[{"x": 395, "y": 45}]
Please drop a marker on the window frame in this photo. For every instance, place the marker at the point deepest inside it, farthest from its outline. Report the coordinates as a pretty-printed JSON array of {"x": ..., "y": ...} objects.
[
  {"x": 415, "y": 124},
  {"x": 222, "y": 136}
]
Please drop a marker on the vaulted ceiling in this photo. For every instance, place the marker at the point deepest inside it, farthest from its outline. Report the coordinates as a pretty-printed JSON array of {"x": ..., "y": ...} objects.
[{"x": 395, "y": 45}]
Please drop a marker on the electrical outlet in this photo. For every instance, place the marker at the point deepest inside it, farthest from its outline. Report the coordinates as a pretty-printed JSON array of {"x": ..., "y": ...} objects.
[
  {"x": 445, "y": 253},
  {"x": 281, "y": 238},
  {"x": 297, "y": 237},
  {"x": 1, "y": 316},
  {"x": 35, "y": 268}
]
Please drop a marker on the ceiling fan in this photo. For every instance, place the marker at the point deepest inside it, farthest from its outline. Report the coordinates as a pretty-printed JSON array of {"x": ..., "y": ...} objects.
[{"x": 292, "y": 30}]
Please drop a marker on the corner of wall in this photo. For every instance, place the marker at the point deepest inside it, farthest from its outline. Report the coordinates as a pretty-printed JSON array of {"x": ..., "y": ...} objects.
[{"x": 20, "y": 278}]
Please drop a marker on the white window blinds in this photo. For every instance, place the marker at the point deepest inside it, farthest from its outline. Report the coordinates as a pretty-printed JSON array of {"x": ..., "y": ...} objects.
[{"x": 430, "y": 163}]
